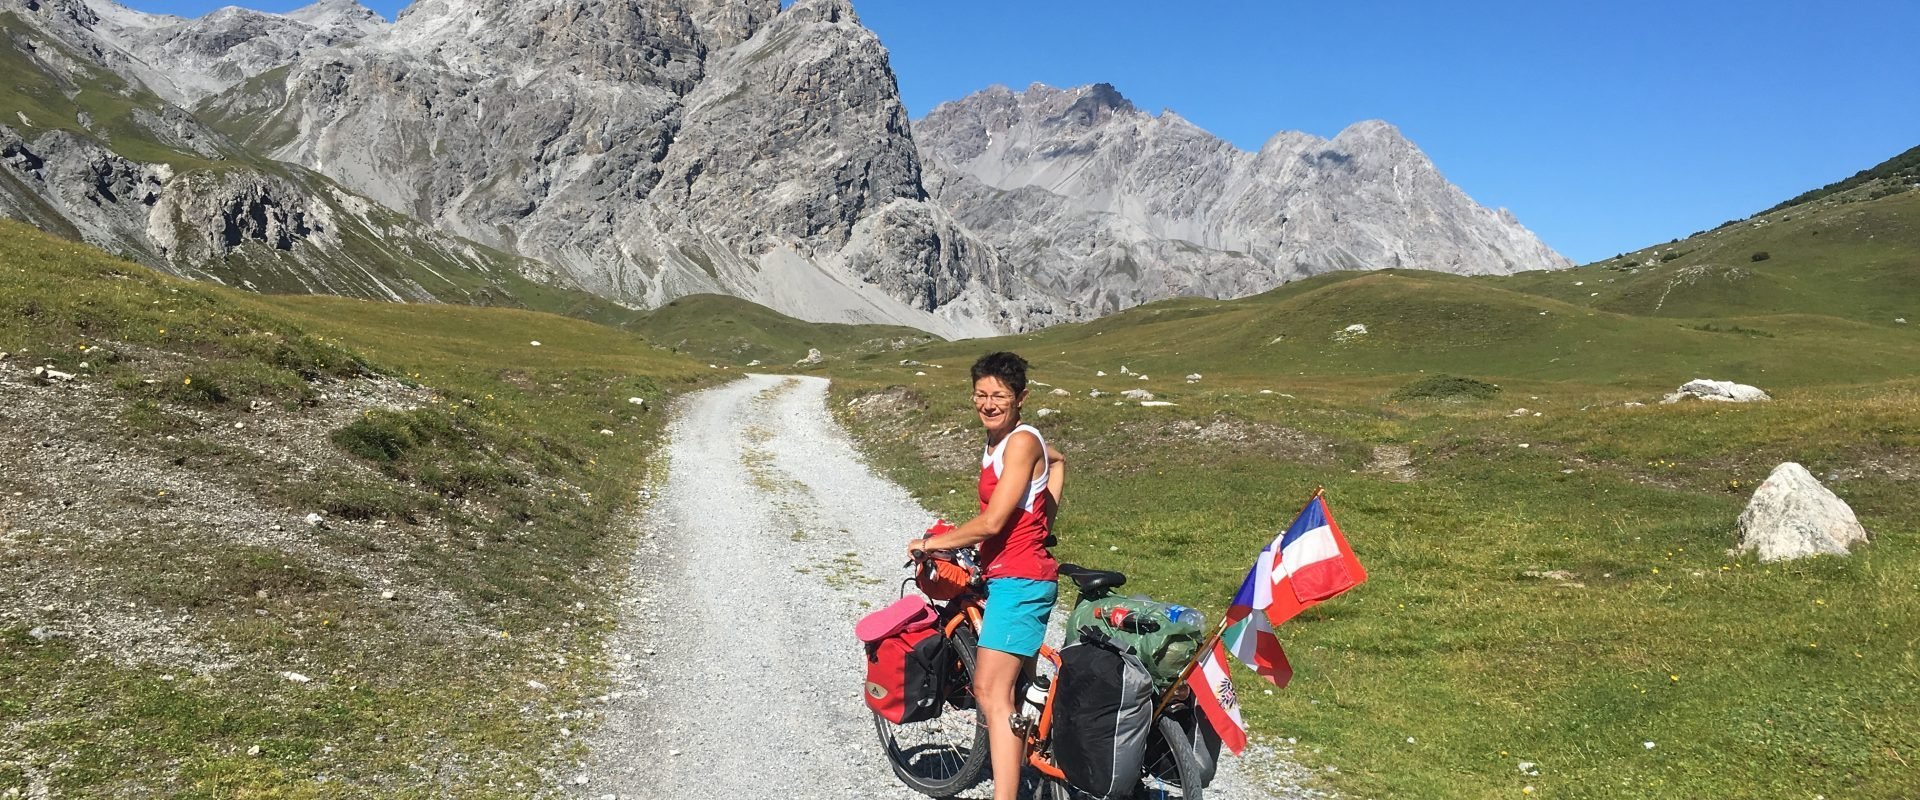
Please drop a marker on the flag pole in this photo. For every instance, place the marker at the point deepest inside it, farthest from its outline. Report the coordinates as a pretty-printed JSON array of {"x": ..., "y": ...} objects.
[{"x": 1218, "y": 631}]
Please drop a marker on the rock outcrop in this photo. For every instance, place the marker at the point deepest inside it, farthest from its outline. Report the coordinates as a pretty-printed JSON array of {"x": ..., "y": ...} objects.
[
  {"x": 1718, "y": 391},
  {"x": 1111, "y": 206},
  {"x": 1792, "y": 516},
  {"x": 100, "y": 196},
  {"x": 205, "y": 215}
]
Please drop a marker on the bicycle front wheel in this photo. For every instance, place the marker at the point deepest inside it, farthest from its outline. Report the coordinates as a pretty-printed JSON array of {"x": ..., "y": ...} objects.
[
  {"x": 946, "y": 755},
  {"x": 1171, "y": 768}
]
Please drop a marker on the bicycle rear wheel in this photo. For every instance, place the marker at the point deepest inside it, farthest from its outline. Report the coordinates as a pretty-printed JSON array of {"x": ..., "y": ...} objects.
[
  {"x": 1171, "y": 769},
  {"x": 946, "y": 755}
]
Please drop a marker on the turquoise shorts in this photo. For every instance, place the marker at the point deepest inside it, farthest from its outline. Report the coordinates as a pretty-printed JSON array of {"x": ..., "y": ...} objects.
[{"x": 1015, "y": 620}]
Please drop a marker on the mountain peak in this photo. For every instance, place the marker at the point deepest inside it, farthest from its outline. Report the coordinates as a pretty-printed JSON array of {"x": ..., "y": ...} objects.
[
  {"x": 1093, "y": 105},
  {"x": 822, "y": 11},
  {"x": 320, "y": 7},
  {"x": 348, "y": 14},
  {"x": 1377, "y": 131},
  {"x": 1105, "y": 96}
]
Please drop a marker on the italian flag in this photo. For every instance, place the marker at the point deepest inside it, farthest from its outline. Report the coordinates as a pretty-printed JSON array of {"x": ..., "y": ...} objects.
[{"x": 1249, "y": 632}]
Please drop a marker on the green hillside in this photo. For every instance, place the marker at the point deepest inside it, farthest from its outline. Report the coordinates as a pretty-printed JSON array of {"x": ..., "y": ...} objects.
[
  {"x": 737, "y": 332},
  {"x": 1549, "y": 585},
  {"x": 1900, "y": 173},
  {"x": 1422, "y": 321},
  {"x": 1854, "y": 256},
  {"x": 475, "y": 490}
]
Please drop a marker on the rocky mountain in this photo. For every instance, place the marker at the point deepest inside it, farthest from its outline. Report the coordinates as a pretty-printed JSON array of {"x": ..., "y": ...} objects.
[
  {"x": 649, "y": 150},
  {"x": 185, "y": 60},
  {"x": 1109, "y": 206},
  {"x": 90, "y": 153},
  {"x": 644, "y": 150}
]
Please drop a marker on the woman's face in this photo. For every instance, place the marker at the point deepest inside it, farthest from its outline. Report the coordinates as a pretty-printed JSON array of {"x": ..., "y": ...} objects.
[{"x": 997, "y": 405}]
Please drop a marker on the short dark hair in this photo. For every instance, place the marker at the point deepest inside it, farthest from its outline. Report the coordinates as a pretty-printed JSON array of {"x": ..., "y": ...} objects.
[{"x": 1010, "y": 368}]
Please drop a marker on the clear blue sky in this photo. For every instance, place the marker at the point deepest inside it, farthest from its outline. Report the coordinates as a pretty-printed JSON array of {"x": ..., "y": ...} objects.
[{"x": 1604, "y": 126}]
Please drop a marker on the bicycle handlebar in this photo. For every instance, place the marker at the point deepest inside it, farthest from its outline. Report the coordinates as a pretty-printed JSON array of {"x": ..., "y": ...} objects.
[{"x": 917, "y": 556}]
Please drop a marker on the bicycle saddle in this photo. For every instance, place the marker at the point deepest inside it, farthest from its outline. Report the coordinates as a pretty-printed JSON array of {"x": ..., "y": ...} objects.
[{"x": 1093, "y": 580}]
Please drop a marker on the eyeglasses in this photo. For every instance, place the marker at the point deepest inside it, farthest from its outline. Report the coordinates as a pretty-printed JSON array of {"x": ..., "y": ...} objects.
[{"x": 995, "y": 399}]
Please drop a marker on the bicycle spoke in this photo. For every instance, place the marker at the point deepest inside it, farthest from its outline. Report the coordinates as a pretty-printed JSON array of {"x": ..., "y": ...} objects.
[
  {"x": 934, "y": 750},
  {"x": 1168, "y": 765}
]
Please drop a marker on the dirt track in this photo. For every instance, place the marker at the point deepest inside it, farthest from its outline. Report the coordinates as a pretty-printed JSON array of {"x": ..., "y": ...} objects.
[{"x": 736, "y": 668}]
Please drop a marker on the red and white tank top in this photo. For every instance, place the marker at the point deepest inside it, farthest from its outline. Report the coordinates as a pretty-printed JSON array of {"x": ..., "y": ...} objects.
[{"x": 1020, "y": 551}]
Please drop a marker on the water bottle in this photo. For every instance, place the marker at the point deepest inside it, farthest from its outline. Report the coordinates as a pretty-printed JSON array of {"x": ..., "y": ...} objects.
[
  {"x": 1183, "y": 615},
  {"x": 1037, "y": 691}
]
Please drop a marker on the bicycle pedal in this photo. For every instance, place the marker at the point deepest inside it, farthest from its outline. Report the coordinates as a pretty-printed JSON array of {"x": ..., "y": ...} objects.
[{"x": 1023, "y": 724}]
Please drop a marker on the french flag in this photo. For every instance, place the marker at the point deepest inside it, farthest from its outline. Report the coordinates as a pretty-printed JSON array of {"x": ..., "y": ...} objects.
[
  {"x": 1247, "y": 634},
  {"x": 1311, "y": 562}
]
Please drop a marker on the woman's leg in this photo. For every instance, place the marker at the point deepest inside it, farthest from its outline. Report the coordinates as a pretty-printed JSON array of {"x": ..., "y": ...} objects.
[{"x": 993, "y": 678}]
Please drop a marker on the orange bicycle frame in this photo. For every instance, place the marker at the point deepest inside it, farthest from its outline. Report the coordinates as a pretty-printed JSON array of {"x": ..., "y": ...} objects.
[{"x": 1043, "y": 733}]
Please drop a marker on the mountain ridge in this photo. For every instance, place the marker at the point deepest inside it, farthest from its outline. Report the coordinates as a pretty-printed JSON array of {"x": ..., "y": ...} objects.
[
  {"x": 1298, "y": 206},
  {"x": 658, "y": 148}
]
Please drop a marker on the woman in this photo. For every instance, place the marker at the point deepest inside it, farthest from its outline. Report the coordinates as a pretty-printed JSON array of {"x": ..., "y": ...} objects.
[{"x": 1020, "y": 479}]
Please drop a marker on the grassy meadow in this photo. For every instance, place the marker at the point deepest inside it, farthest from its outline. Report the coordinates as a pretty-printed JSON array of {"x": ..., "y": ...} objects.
[
  {"x": 1552, "y": 587},
  {"x": 493, "y": 493},
  {"x": 732, "y": 331}
]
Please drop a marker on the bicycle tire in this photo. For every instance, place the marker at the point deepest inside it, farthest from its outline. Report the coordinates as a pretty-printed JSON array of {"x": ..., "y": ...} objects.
[
  {"x": 956, "y": 772},
  {"x": 1170, "y": 759}
]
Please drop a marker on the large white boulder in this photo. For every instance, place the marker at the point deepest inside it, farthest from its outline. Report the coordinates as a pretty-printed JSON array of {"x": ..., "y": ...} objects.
[
  {"x": 1137, "y": 394},
  {"x": 1792, "y": 516},
  {"x": 1722, "y": 391}
]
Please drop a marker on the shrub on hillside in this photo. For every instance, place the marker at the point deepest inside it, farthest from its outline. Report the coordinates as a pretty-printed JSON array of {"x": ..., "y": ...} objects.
[
  {"x": 384, "y": 437},
  {"x": 444, "y": 450},
  {"x": 1761, "y": 256},
  {"x": 1447, "y": 387}
]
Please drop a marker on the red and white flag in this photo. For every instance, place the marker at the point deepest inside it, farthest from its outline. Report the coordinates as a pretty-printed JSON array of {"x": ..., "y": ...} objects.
[
  {"x": 1213, "y": 689},
  {"x": 1307, "y": 563}
]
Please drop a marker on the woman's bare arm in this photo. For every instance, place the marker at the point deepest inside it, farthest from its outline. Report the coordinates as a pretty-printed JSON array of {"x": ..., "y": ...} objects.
[
  {"x": 1056, "y": 472},
  {"x": 1022, "y": 454}
]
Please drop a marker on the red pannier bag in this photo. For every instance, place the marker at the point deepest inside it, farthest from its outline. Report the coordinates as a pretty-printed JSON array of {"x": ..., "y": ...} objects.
[{"x": 907, "y": 662}]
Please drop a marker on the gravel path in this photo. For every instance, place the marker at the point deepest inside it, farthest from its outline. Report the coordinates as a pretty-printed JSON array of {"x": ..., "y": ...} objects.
[{"x": 736, "y": 674}]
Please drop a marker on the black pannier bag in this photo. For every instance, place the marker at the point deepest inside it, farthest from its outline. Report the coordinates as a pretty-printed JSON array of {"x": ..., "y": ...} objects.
[{"x": 1102, "y": 711}]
